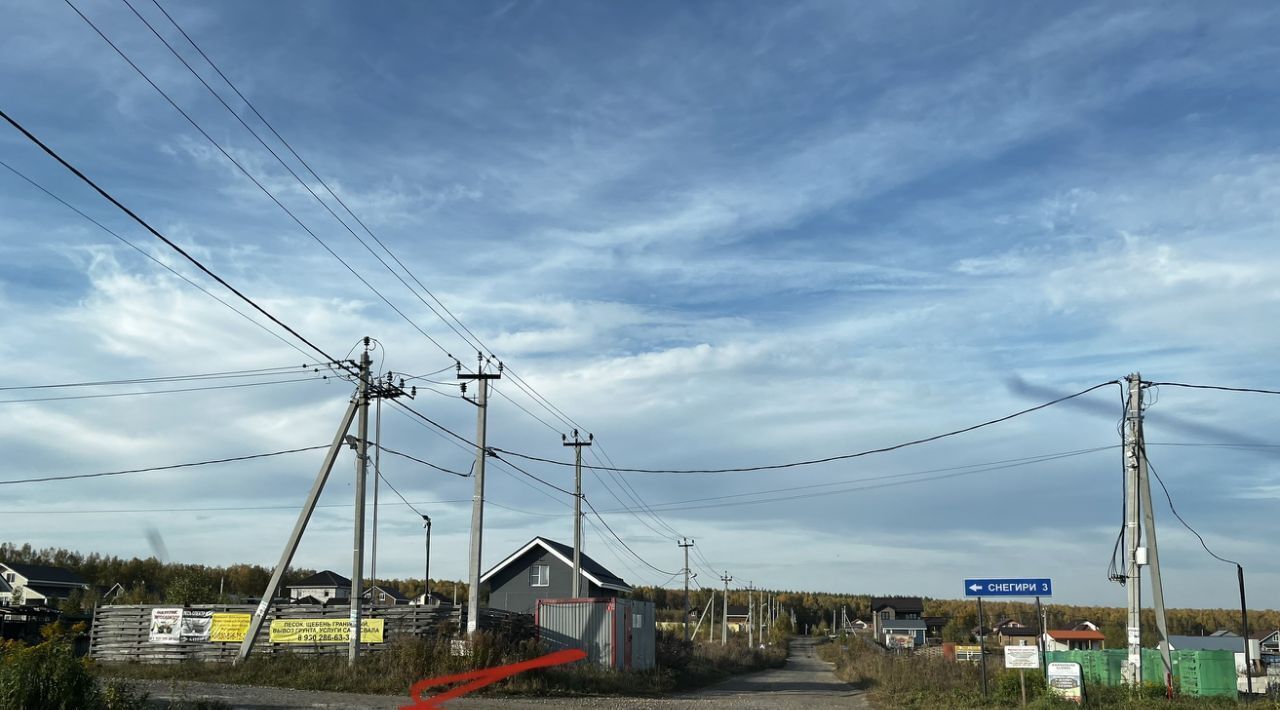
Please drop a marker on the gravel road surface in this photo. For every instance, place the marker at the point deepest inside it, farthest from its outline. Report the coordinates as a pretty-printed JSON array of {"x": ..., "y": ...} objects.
[{"x": 805, "y": 683}]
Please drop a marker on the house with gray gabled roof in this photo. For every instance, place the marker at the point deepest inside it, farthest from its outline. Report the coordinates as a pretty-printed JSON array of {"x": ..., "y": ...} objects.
[
  {"x": 322, "y": 587},
  {"x": 543, "y": 569},
  {"x": 36, "y": 584}
]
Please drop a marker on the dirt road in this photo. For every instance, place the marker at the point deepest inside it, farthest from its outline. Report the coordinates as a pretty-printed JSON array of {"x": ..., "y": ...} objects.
[{"x": 805, "y": 683}]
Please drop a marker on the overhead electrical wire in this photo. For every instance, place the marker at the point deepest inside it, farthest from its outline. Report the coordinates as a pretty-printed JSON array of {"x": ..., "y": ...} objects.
[
  {"x": 873, "y": 486},
  {"x": 255, "y": 180},
  {"x": 828, "y": 459},
  {"x": 1221, "y": 388},
  {"x": 154, "y": 232},
  {"x": 1169, "y": 497},
  {"x": 230, "y": 374},
  {"x": 148, "y": 255},
  {"x": 421, "y": 461},
  {"x": 107, "y": 395},
  {"x": 623, "y": 542},
  {"x": 169, "y": 467},
  {"x": 300, "y": 159},
  {"x": 473, "y": 341},
  {"x": 983, "y": 467}
]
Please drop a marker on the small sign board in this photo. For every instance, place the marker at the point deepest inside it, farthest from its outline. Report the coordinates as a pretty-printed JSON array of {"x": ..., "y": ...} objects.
[
  {"x": 1021, "y": 657},
  {"x": 1009, "y": 587},
  {"x": 1064, "y": 681}
]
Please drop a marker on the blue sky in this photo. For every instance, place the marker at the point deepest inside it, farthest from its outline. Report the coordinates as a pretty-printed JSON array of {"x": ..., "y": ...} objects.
[{"x": 714, "y": 234}]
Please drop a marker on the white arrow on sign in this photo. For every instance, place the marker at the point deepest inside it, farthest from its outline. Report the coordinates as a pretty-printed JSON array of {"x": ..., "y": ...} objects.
[{"x": 975, "y": 587}]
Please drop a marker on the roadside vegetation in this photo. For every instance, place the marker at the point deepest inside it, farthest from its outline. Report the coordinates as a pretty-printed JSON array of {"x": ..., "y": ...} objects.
[
  {"x": 394, "y": 670},
  {"x": 918, "y": 681},
  {"x": 49, "y": 676}
]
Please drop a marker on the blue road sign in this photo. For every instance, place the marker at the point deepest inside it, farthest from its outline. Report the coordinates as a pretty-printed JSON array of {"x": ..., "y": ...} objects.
[{"x": 1033, "y": 587}]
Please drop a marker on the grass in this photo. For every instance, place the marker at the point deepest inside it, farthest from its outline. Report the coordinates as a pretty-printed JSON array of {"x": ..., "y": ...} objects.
[
  {"x": 916, "y": 681},
  {"x": 406, "y": 661}
]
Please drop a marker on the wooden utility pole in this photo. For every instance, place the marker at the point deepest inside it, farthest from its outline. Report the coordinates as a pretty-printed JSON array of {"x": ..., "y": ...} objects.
[
  {"x": 577, "y": 445},
  {"x": 477, "y": 499}
]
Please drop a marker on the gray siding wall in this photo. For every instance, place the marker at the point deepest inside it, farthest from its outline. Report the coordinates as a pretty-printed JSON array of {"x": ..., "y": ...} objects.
[{"x": 509, "y": 589}]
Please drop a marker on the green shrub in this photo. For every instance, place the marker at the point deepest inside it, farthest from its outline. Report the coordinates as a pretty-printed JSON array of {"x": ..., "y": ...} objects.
[{"x": 46, "y": 676}]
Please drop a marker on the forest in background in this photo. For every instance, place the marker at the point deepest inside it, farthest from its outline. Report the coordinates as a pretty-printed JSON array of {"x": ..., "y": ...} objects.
[{"x": 151, "y": 581}]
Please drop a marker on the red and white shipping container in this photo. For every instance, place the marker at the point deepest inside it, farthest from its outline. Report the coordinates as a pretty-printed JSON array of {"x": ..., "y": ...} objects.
[{"x": 615, "y": 633}]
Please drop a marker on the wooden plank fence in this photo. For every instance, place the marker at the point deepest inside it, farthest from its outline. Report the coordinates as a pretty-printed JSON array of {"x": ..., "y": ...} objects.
[{"x": 120, "y": 633}]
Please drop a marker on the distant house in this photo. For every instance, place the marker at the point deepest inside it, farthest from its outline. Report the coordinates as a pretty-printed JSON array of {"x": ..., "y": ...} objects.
[
  {"x": 321, "y": 587},
  {"x": 543, "y": 569},
  {"x": 736, "y": 617},
  {"x": 895, "y": 609},
  {"x": 1218, "y": 641},
  {"x": 1268, "y": 642},
  {"x": 895, "y": 631},
  {"x": 432, "y": 599},
  {"x": 33, "y": 585},
  {"x": 934, "y": 625},
  {"x": 1074, "y": 640},
  {"x": 1016, "y": 634},
  {"x": 384, "y": 596}
]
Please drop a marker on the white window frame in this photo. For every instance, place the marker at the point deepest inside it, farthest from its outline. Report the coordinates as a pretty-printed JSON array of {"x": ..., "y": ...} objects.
[{"x": 540, "y": 575}]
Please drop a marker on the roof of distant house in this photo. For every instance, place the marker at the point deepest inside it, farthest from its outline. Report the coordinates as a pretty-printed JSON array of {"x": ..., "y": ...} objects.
[
  {"x": 1206, "y": 643},
  {"x": 901, "y": 604},
  {"x": 1018, "y": 631},
  {"x": 1220, "y": 633},
  {"x": 46, "y": 575},
  {"x": 388, "y": 591},
  {"x": 592, "y": 570},
  {"x": 1076, "y": 635},
  {"x": 323, "y": 579},
  {"x": 910, "y": 624}
]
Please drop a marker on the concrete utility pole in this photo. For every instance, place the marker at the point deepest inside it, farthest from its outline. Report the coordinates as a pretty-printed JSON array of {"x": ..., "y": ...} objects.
[
  {"x": 751, "y": 634},
  {"x": 1140, "y": 514},
  {"x": 477, "y": 498},
  {"x": 377, "y": 477},
  {"x": 577, "y": 445},
  {"x": 686, "y": 544},
  {"x": 357, "y": 551},
  {"x": 426, "y": 572},
  {"x": 359, "y": 404},
  {"x": 711, "y": 627},
  {"x": 724, "y": 628}
]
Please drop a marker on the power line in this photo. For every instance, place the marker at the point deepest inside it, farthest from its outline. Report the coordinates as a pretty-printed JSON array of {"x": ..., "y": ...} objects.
[
  {"x": 261, "y": 372},
  {"x": 253, "y": 179},
  {"x": 398, "y": 494},
  {"x": 967, "y": 468},
  {"x": 474, "y": 340},
  {"x": 890, "y": 484},
  {"x": 75, "y": 171},
  {"x": 1174, "y": 510},
  {"x": 171, "y": 391},
  {"x": 543, "y": 481},
  {"x": 306, "y": 165},
  {"x": 828, "y": 459},
  {"x": 622, "y": 542},
  {"x": 424, "y": 463},
  {"x": 1211, "y": 387},
  {"x": 231, "y": 459},
  {"x": 163, "y": 265}
]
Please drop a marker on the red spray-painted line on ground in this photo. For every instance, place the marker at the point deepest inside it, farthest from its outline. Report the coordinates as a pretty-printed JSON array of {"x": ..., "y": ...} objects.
[{"x": 483, "y": 677}]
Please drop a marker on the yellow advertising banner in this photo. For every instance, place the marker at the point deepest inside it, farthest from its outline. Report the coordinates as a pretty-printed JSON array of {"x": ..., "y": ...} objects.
[
  {"x": 229, "y": 628},
  {"x": 323, "y": 631}
]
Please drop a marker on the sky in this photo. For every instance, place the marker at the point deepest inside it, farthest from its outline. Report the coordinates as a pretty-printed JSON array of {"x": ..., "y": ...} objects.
[{"x": 712, "y": 235}]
